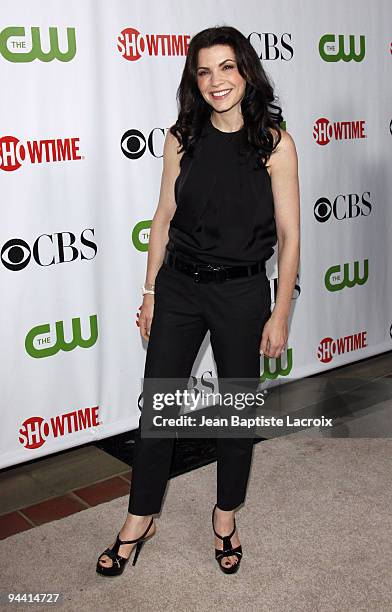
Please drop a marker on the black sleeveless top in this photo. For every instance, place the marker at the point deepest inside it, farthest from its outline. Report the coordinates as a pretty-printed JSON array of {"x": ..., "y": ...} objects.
[{"x": 225, "y": 207}]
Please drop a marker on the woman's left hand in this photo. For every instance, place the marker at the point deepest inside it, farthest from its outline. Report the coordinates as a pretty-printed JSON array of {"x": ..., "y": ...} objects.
[{"x": 274, "y": 337}]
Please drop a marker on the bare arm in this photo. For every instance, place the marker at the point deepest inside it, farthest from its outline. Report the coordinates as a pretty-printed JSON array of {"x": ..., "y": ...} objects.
[
  {"x": 165, "y": 209},
  {"x": 160, "y": 226},
  {"x": 285, "y": 187}
]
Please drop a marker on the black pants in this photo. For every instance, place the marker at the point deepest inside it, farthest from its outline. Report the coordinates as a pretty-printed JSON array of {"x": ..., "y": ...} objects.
[{"x": 235, "y": 312}]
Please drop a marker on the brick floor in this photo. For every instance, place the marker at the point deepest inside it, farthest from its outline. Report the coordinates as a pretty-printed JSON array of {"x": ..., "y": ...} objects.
[
  {"x": 53, "y": 509},
  {"x": 104, "y": 491},
  {"x": 12, "y": 523},
  {"x": 64, "y": 505}
]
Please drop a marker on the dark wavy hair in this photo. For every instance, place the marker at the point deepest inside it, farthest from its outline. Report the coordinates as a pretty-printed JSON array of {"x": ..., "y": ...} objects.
[{"x": 259, "y": 110}]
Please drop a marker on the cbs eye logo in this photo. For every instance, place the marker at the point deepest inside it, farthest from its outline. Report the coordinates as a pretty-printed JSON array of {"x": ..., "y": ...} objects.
[
  {"x": 15, "y": 254},
  {"x": 48, "y": 250},
  {"x": 343, "y": 206},
  {"x": 134, "y": 144}
]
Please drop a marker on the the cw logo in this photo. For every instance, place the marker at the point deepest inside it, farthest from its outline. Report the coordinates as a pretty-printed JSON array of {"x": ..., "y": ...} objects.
[
  {"x": 39, "y": 350},
  {"x": 14, "y": 54},
  {"x": 141, "y": 235},
  {"x": 279, "y": 370},
  {"x": 330, "y": 52},
  {"x": 335, "y": 281}
]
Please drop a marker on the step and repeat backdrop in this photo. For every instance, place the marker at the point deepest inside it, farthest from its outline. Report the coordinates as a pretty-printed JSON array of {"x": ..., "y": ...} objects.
[{"x": 88, "y": 94}]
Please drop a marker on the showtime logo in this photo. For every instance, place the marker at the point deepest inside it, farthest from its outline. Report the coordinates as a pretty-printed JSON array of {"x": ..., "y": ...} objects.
[
  {"x": 329, "y": 347},
  {"x": 132, "y": 45},
  {"x": 13, "y": 153},
  {"x": 324, "y": 130},
  {"x": 35, "y": 430}
]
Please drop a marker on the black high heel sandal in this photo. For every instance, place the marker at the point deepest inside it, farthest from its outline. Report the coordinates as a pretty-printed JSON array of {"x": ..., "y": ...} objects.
[
  {"x": 120, "y": 562},
  {"x": 228, "y": 550}
]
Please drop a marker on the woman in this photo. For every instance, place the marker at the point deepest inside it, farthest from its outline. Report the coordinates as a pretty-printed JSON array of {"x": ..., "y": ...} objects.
[{"x": 221, "y": 209}]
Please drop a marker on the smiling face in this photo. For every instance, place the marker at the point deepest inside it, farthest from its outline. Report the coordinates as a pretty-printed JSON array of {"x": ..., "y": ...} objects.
[{"x": 218, "y": 79}]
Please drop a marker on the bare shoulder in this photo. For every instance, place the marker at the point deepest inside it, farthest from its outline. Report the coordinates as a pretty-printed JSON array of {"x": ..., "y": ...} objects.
[
  {"x": 170, "y": 171},
  {"x": 284, "y": 153},
  {"x": 171, "y": 148},
  {"x": 286, "y": 142}
]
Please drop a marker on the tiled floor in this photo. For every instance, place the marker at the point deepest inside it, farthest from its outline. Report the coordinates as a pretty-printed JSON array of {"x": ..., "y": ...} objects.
[
  {"x": 70, "y": 481},
  {"x": 56, "y": 486},
  {"x": 63, "y": 505}
]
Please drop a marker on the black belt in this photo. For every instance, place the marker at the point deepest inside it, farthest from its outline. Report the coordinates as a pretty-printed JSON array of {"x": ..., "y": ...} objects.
[{"x": 205, "y": 273}]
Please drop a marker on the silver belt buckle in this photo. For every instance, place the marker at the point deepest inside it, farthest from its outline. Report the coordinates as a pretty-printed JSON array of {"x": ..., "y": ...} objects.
[{"x": 218, "y": 277}]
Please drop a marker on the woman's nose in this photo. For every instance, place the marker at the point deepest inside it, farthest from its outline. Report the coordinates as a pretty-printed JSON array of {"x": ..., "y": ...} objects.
[
  {"x": 216, "y": 79},
  {"x": 216, "y": 82}
]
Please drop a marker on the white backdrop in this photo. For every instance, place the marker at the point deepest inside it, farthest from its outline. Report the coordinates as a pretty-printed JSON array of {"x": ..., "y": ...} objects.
[{"x": 81, "y": 139}]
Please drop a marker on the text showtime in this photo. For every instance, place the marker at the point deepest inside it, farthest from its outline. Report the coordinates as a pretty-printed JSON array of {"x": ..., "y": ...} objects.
[
  {"x": 35, "y": 430},
  {"x": 13, "y": 152},
  {"x": 133, "y": 45}
]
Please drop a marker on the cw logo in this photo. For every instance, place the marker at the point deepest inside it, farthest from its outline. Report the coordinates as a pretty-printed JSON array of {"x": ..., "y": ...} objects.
[
  {"x": 35, "y": 344},
  {"x": 141, "y": 235},
  {"x": 335, "y": 280},
  {"x": 335, "y": 52},
  {"x": 10, "y": 48},
  {"x": 279, "y": 370}
]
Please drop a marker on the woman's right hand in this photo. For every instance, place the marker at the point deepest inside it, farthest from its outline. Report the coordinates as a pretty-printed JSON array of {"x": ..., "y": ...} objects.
[{"x": 145, "y": 315}]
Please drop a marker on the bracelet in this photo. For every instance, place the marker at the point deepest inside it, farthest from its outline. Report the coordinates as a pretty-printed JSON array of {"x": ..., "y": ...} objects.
[{"x": 151, "y": 291}]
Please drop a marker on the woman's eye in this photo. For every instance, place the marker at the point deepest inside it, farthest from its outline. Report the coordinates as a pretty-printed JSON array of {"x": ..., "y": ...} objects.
[{"x": 203, "y": 72}]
